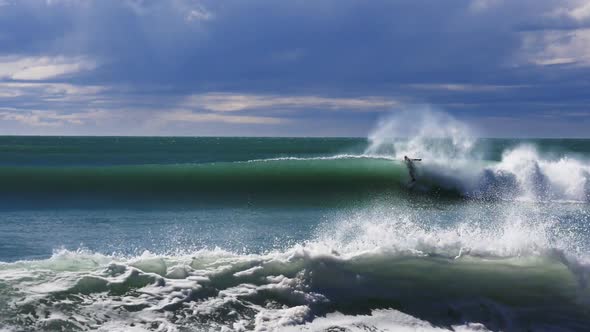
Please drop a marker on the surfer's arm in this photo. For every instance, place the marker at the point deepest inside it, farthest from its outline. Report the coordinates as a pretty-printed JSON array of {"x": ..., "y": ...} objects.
[{"x": 420, "y": 159}]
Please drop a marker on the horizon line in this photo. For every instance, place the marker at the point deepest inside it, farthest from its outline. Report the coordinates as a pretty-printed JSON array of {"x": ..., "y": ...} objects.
[{"x": 253, "y": 136}]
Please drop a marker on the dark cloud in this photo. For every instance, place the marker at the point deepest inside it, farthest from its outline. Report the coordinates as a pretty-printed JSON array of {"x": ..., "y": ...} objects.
[
  {"x": 325, "y": 44},
  {"x": 478, "y": 56}
]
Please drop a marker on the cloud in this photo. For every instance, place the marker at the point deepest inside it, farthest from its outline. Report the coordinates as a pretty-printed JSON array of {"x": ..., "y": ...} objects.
[
  {"x": 582, "y": 12},
  {"x": 229, "y": 102},
  {"x": 44, "y": 95},
  {"x": 190, "y": 116},
  {"x": 559, "y": 47},
  {"x": 332, "y": 45},
  {"x": 157, "y": 42},
  {"x": 463, "y": 87},
  {"x": 559, "y": 35},
  {"x": 198, "y": 14},
  {"x": 569, "y": 14},
  {"x": 43, "y": 118},
  {"x": 482, "y": 5},
  {"x": 50, "y": 89},
  {"x": 42, "y": 68},
  {"x": 295, "y": 61}
]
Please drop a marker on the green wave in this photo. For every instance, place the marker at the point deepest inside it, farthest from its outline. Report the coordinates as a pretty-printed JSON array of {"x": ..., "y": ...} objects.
[{"x": 274, "y": 180}]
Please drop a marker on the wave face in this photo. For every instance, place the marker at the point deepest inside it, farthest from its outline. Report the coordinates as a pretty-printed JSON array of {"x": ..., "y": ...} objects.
[
  {"x": 272, "y": 180},
  {"x": 521, "y": 174},
  {"x": 78, "y": 171}
]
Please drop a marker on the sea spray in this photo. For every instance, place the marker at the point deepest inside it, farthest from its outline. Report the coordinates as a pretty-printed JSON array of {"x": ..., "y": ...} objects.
[
  {"x": 485, "y": 273},
  {"x": 447, "y": 147},
  {"x": 541, "y": 178},
  {"x": 422, "y": 132}
]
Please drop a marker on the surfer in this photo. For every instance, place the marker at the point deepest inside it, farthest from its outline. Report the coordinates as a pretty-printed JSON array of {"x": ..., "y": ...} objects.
[{"x": 411, "y": 167}]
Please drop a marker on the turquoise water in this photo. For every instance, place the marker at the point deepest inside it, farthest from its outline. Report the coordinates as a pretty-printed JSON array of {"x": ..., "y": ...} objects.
[{"x": 192, "y": 234}]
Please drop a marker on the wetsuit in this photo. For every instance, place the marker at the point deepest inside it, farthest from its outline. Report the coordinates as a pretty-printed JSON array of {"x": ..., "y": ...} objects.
[{"x": 411, "y": 169}]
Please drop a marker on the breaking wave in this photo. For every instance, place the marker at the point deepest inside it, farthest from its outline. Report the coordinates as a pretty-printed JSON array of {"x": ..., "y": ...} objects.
[
  {"x": 372, "y": 269},
  {"x": 521, "y": 174},
  {"x": 451, "y": 161}
]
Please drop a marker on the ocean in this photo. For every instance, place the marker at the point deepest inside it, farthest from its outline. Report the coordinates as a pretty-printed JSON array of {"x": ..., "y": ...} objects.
[{"x": 294, "y": 234}]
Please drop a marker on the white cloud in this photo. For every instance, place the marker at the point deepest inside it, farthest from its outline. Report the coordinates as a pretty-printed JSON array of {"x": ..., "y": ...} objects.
[
  {"x": 38, "y": 118},
  {"x": 41, "y": 93},
  {"x": 43, "y": 67},
  {"x": 9, "y": 92},
  {"x": 463, "y": 87},
  {"x": 190, "y": 116},
  {"x": 198, "y": 14},
  {"x": 582, "y": 12},
  {"x": 228, "y": 102},
  {"x": 52, "y": 88},
  {"x": 578, "y": 10},
  {"x": 558, "y": 47},
  {"x": 569, "y": 44},
  {"x": 483, "y": 5}
]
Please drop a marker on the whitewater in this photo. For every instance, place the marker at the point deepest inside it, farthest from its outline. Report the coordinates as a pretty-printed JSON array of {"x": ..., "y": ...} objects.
[{"x": 247, "y": 234}]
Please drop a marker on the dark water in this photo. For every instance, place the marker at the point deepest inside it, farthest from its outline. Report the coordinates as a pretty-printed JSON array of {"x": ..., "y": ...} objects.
[{"x": 192, "y": 234}]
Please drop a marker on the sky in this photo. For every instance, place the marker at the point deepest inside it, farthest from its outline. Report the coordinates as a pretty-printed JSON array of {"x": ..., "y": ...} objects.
[{"x": 508, "y": 68}]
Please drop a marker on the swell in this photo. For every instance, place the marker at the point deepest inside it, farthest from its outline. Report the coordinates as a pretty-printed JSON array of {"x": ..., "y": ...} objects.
[
  {"x": 330, "y": 178},
  {"x": 522, "y": 174}
]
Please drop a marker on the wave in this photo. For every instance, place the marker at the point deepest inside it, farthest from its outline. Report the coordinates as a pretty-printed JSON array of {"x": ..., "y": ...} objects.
[
  {"x": 376, "y": 287},
  {"x": 454, "y": 160},
  {"x": 522, "y": 174},
  {"x": 372, "y": 268},
  {"x": 452, "y": 167},
  {"x": 292, "y": 181}
]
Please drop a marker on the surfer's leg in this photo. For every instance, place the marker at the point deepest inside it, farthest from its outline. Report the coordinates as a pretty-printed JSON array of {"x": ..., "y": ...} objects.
[{"x": 412, "y": 175}]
